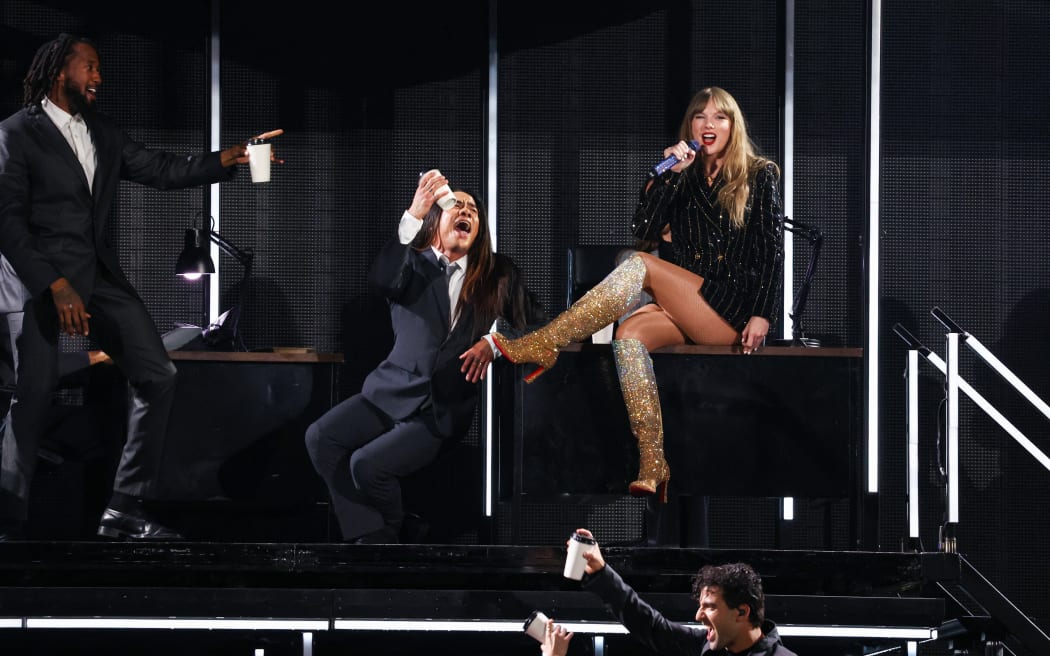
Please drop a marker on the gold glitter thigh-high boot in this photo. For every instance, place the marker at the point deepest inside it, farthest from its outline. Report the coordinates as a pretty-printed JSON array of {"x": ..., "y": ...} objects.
[
  {"x": 603, "y": 304},
  {"x": 634, "y": 366}
]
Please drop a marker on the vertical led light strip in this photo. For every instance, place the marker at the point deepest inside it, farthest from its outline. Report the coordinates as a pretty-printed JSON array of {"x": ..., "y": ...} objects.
[
  {"x": 788, "y": 171},
  {"x": 913, "y": 443},
  {"x": 491, "y": 135},
  {"x": 788, "y": 165},
  {"x": 491, "y": 186},
  {"x": 953, "y": 428},
  {"x": 214, "y": 143},
  {"x": 872, "y": 349}
]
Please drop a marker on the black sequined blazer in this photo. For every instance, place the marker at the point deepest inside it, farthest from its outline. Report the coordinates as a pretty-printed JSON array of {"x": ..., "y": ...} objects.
[{"x": 743, "y": 267}]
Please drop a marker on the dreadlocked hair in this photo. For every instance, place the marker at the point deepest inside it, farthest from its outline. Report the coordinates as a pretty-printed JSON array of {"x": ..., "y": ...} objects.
[{"x": 46, "y": 65}]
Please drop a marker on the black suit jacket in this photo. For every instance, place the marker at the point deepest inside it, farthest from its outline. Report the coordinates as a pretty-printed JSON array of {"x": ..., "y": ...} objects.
[
  {"x": 51, "y": 224},
  {"x": 661, "y": 635},
  {"x": 424, "y": 360}
]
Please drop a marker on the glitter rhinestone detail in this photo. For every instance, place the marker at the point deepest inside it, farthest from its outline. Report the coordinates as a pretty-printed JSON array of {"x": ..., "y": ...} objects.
[
  {"x": 634, "y": 366},
  {"x": 603, "y": 304}
]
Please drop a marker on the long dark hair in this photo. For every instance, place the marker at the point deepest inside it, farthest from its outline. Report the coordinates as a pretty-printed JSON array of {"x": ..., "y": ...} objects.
[
  {"x": 47, "y": 64},
  {"x": 481, "y": 286}
]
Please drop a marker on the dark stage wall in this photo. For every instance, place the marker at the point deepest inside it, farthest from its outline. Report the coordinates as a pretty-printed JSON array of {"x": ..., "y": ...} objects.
[{"x": 588, "y": 96}]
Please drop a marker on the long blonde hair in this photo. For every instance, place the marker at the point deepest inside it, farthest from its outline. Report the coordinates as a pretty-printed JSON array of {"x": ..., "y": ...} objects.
[{"x": 741, "y": 159}]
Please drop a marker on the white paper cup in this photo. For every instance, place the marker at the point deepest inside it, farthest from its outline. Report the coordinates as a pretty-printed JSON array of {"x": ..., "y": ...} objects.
[
  {"x": 448, "y": 201},
  {"x": 259, "y": 160},
  {"x": 574, "y": 562},
  {"x": 536, "y": 626}
]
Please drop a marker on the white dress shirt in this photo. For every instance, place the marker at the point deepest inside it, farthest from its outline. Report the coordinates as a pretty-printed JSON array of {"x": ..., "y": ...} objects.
[
  {"x": 406, "y": 232},
  {"x": 76, "y": 133},
  {"x": 456, "y": 272}
]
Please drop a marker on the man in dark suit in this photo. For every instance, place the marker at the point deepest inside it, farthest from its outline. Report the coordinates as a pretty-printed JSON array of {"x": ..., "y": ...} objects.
[
  {"x": 60, "y": 167},
  {"x": 445, "y": 288},
  {"x": 731, "y": 610}
]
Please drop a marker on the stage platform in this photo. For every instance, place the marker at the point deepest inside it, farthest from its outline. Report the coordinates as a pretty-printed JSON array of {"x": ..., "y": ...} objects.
[
  {"x": 231, "y": 590},
  {"x": 304, "y": 598}
]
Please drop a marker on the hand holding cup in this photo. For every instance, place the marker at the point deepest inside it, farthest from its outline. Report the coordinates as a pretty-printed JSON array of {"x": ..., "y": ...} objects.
[
  {"x": 433, "y": 187},
  {"x": 240, "y": 154},
  {"x": 575, "y": 564},
  {"x": 583, "y": 555},
  {"x": 536, "y": 626},
  {"x": 260, "y": 154}
]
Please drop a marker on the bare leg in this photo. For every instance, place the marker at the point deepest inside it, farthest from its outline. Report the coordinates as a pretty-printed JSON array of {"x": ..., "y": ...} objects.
[
  {"x": 653, "y": 327},
  {"x": 677, "y": 293},
  {"x": 674, "y": 289}
]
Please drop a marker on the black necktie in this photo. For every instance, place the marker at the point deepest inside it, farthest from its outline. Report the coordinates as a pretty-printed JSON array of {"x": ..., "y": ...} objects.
[{"x": 449, "y": 268}]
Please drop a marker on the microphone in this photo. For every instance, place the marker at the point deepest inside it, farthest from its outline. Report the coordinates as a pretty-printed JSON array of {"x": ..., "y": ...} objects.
[{"x": 668, "y": 162}]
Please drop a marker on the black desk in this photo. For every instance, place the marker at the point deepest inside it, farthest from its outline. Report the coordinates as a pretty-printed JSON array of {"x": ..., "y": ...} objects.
[
  {"x": 235, "y": 465},
  {"x": 238, "y": 421},
  {"x": 783, "y": 422}
]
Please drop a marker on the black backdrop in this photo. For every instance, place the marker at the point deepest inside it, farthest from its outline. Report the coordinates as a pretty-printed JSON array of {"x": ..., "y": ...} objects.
[{"x": 588, "y": 96}]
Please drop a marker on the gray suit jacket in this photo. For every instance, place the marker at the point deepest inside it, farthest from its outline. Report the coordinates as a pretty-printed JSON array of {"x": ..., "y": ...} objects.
[
  {"x": 13, "y": 294},
  {"x": 13, "y": 297}
]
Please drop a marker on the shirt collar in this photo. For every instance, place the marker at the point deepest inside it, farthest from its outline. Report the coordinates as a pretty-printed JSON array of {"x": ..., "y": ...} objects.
[
  {"x": 59, "y": 116},
  {"x": 439, "y": 256}
]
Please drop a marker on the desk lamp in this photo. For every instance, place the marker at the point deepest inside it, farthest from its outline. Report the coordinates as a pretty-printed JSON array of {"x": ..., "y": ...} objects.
[
  {"x": 195, "y": 261},
  {"x": 816, "y": 239}
]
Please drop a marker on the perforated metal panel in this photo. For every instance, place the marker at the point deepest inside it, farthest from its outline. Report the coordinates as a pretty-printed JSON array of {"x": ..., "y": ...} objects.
[
  {"x": 614, "y": 521},
  {"x": 830, "y": 180},
  {"x": 963, "y": 202},
  {"x": 584, "y": 109}
]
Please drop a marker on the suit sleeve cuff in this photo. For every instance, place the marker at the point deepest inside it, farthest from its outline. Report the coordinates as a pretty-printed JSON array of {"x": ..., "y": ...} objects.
[
  {"x": 408, "y": 228},
  {"x": 492, "y": 345}
]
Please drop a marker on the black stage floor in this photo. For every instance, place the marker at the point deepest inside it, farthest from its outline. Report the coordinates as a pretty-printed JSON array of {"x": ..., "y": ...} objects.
[{"x": 301, "y": 598}]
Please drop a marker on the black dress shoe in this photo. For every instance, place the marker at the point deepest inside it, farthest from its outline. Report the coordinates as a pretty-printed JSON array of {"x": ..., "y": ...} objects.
[
  {"x": 133, "y": 526},
  {"x": 385, "y": 535},
  {"x": 414, "y": 529}
]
